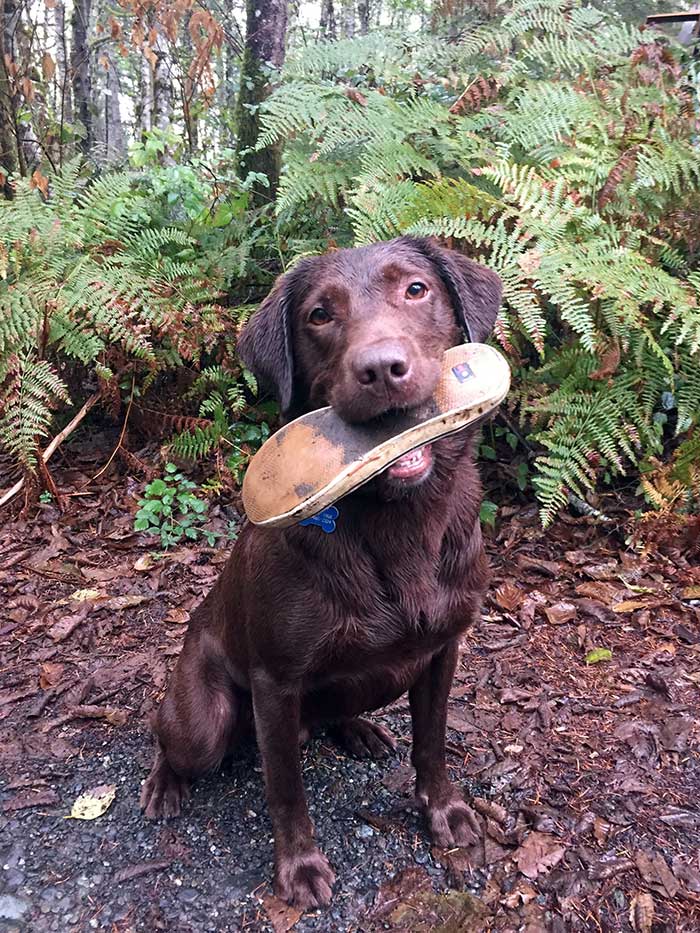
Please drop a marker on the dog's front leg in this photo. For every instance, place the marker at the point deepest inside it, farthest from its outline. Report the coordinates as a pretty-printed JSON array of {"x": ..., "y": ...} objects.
[
  {"x": 303, "y": 876},
  {"x": 451, "y": 821}
]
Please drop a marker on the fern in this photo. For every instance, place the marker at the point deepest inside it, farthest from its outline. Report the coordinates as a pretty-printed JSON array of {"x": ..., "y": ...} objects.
[
  {"x": 562, "y": 178},
  {"x": 31, "y": 389},
  {"x": 85, "y": 279}
]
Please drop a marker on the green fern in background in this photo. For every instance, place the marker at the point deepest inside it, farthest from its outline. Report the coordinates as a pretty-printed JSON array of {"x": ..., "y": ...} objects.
[
  {"x": 560, "y": 148},
  {"x": 84, "y": 280}
]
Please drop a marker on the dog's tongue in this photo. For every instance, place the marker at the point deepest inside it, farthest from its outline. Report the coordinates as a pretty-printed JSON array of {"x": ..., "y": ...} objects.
[{"x": 412, "y": 464}]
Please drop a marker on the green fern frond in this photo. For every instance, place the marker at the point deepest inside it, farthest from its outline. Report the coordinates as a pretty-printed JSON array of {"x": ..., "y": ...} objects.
[{"x": 31, "y": 390}]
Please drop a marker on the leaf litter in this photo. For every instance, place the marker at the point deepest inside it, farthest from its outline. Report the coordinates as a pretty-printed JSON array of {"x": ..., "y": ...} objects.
[{"x": 583, "y": 776}]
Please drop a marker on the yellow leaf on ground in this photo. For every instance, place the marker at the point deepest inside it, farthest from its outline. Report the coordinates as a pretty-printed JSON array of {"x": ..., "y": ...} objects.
[
  {"x": 629, "y": 605},
  {"x": 82, "y": 596},
  {"x": 177, "y": 615},
  {"x": 93, "y": 803},
  {"x": 144, "y": 563}
]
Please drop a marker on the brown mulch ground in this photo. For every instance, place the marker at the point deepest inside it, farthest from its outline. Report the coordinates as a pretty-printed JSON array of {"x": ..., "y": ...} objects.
[{"x": 585, "y": 775}]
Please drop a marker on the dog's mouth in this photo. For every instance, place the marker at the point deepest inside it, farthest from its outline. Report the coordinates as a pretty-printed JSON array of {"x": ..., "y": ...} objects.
[{"x": 413, "y": 467}]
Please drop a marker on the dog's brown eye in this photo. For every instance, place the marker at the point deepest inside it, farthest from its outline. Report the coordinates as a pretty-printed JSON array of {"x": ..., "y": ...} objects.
[
  {"x": 319, "y": 316},
  {"x": 416, "y": 290}
]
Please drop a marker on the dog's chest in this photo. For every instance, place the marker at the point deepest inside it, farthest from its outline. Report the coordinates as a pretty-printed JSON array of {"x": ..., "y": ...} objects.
[{"x": 397, "y": 601}]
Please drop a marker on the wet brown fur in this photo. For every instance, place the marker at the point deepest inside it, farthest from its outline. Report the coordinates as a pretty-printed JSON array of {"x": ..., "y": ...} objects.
[{"x": 306, "y": 629}]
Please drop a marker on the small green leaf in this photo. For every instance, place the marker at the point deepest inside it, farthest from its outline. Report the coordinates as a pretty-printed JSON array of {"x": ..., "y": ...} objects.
[
  {"x": 487, "y": 513},
  {"x": 598, "y": 654}
]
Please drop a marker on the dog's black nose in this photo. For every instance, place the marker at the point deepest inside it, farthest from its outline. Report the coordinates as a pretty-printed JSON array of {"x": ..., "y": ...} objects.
[{"x": 385, "y": 363}]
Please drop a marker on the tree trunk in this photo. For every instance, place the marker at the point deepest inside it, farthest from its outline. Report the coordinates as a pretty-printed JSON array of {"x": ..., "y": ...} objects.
[
  {"x": 189, "y": 104},
  {"x": 266, "y": 28},
  {"x": 115, "y": 140},
  {"x": 81, "y": 70},
  {"x": 327, "y": 24},
  {"x": 347, "y": 19},
  {"x": 363, "y": 14},
  {"x": 8, "y": 124},
  {"x": 144, "y": 103},
  {"x": 63, "y": 102},
  {"x": 162, "y": 84}
]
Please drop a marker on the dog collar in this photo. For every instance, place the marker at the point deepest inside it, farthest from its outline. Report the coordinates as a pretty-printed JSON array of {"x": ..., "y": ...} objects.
[{"x": 325, "y": 520}]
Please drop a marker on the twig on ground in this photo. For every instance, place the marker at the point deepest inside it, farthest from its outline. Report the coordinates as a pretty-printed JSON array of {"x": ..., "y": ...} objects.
[{"x": 55, "y": 443}]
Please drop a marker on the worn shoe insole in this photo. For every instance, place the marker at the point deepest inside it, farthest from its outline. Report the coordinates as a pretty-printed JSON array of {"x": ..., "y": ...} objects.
[{"x": 313, "y": 461}]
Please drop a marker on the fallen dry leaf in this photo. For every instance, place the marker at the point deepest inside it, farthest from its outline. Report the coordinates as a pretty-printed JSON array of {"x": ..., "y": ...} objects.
[
  {"x": 281, "y": 915},
  {"x": 538, "y": 854},
  {"x": 630, "y": 605},
  {"x": 32, "y": 798},
  {"x": 642, "y": 912},
  {"x": 508, "y": 596},
  {"x": 81, "y": 596},
  {"x": 93, "y": 803},
  {"x": 65, "y": 626},
  {"x": 144, "y": 563},
  {"x": 126, "y": 602},
  {"x": 180, "y": 616},
  {"x": 559, "y": 613},
  {"x": 50, "y": 674}
]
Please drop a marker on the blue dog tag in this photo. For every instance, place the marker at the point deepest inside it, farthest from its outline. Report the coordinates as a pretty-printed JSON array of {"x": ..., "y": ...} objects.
[{"x": 325, "y": 519}]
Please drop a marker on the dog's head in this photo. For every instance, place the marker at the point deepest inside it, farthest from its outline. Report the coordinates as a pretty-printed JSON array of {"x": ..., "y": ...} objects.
[{"x": 364, "y": 329}]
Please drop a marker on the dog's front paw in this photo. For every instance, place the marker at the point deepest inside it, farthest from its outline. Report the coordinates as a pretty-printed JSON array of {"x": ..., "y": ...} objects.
[
  {"x": 452, "y": 822},
  {"x": 304, "y": 880}
]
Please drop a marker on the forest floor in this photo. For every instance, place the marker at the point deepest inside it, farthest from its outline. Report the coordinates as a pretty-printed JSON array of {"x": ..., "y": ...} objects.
[{"x": 585, "y": 777}]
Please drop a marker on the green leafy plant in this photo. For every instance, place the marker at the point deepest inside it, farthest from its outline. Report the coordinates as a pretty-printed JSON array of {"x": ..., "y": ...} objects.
[
  {"x": 488, "y": 513},
  {"x": 102, "y": 289},
  {"x": 171, "y": 510}
]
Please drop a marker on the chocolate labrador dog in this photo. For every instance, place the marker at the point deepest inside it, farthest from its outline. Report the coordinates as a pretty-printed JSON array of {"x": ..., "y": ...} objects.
[{"x": 306, "y": 629}]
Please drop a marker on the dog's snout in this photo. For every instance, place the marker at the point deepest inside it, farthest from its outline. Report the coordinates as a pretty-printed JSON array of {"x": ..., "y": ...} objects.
[{"x": 386, "y": 363}]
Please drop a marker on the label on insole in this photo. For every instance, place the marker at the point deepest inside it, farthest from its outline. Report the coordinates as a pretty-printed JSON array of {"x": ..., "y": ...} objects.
[{"x": 463, "y": 371}]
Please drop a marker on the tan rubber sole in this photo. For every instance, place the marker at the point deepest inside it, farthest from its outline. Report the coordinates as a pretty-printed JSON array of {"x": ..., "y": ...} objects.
[{"x": 317, "y": 459}]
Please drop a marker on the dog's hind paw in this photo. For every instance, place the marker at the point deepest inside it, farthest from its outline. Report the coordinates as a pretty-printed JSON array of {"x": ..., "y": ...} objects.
[
  {"x": 363, "y": 739},
  {"x": 304, "y": 880},
  {"x": 163, "y": 792}
]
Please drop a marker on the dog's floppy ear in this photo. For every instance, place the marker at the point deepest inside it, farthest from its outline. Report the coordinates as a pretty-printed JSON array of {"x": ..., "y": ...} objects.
[
  {"x": 266, "y": 345},
  {"x": 474, "y": 290}
]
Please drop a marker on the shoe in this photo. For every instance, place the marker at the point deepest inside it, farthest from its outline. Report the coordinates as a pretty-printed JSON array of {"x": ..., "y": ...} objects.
[{"x": 317, "y": 459}]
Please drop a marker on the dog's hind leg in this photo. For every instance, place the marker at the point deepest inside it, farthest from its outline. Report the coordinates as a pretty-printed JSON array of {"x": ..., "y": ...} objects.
[{"x": 195, "y": 727}]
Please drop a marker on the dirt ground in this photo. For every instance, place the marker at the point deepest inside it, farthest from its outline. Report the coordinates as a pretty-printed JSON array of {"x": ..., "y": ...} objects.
[{"x": 585, "y": 776}]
